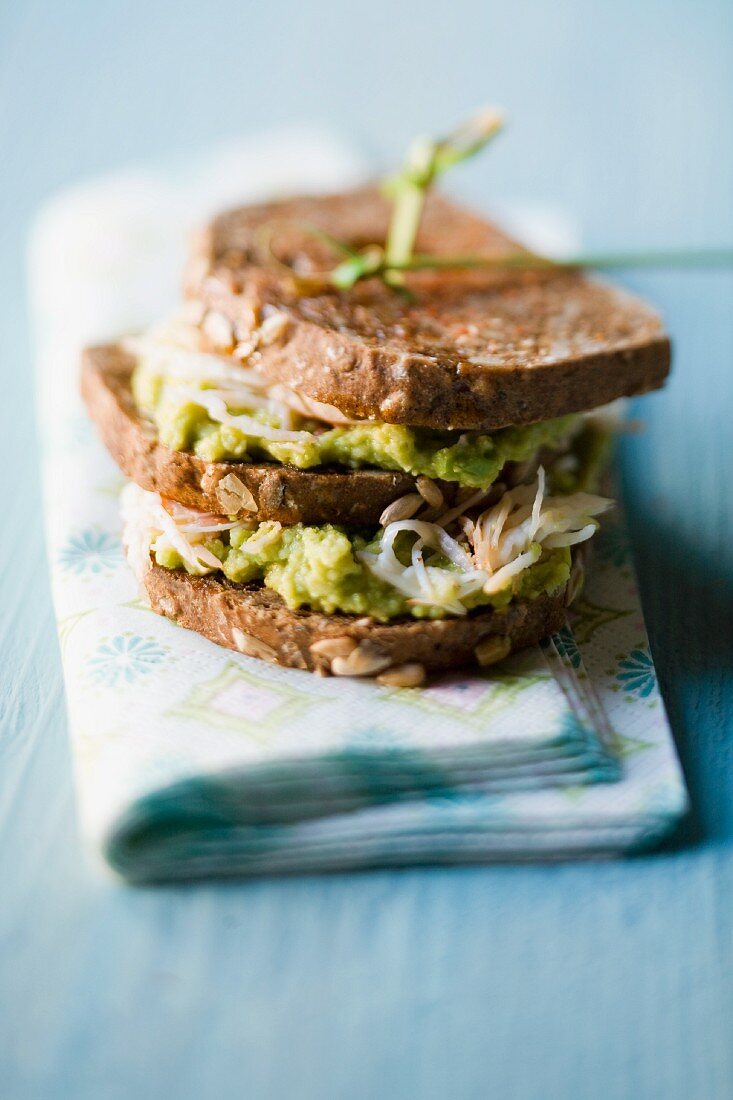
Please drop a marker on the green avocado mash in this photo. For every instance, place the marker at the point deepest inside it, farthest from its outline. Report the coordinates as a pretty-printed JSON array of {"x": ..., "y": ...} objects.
[
  {"x": 471, "y": 459},
  {"x": 316, "y": 567},
  {"x": 581, "y": 469}
]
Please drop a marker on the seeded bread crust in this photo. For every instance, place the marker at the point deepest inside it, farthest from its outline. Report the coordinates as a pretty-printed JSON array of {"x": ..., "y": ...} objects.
[
  {"x": 480, "y": 350},
  {"x": 247, "y": 617},
  {"x": 284, "y": 493}
]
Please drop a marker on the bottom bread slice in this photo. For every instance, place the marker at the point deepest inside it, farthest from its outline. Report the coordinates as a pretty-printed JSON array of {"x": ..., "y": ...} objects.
[{"x": 253, "y": 620}]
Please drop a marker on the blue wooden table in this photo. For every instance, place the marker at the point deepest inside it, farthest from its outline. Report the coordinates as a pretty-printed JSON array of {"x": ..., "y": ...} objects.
[{"x": 608, "y": 980}]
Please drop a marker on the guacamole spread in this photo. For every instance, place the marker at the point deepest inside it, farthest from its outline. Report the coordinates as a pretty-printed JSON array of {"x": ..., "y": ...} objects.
[
  {"x": 318, "y": 567},
  {"x": 471, "y": 459}
]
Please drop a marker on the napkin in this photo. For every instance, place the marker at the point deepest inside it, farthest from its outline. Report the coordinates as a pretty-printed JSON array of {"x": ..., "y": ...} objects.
[{"x": 191, "y": 760}]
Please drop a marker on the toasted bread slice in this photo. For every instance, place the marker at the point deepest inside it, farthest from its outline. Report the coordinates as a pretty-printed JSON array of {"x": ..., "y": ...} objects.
[
  {"x": 284, "y": 493},
  {"x": 253, "y": 620},
  {"x": 477, "y": 349}
]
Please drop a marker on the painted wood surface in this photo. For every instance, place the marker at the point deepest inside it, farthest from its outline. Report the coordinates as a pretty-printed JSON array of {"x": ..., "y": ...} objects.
[{"x": 607, "y": 980}]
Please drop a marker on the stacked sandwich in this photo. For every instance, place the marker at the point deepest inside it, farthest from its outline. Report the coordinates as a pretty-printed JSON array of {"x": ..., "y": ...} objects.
[{"x": 376, "y": 480}]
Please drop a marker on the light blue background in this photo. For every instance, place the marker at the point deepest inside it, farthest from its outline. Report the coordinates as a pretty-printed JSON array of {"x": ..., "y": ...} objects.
[{"x": 605, "y": 980}]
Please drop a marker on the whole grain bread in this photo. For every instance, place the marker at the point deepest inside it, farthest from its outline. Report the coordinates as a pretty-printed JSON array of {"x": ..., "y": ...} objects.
[
  {"x": 253, "y": 620},
  {"x": 278, "y": 492},
  {"x": 477, "y": 349}
]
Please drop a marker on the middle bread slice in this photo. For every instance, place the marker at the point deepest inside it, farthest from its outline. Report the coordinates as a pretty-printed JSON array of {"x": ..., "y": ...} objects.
[
  {"x": 326, "y": 483},
  {"x": 268, "y": 490}
]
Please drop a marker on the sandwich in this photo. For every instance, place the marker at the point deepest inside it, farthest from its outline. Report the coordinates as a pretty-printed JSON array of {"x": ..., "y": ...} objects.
[{"x": 390, "y": 478}]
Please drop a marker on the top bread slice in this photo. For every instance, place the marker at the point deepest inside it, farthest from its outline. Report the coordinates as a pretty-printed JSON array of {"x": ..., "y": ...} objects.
[{"x": 476, "y": 349}]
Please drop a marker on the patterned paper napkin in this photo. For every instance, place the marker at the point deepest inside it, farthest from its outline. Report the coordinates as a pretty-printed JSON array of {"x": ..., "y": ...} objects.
[{"x": 192, "y": 760}]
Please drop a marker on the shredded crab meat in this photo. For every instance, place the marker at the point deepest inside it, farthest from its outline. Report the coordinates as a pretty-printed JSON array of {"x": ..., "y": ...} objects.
[
  {"x": 421, "y": 582},
  {"x": 309, "y": 407},
  {"x": 458, "y": 512},
  {"x": 486, "y": 551},
  {"x": 166, "y": 525},
  {"x": 216, "y": 406},
  {"x": 190, "y": 522},
  {"x": 537, "y": 503}
]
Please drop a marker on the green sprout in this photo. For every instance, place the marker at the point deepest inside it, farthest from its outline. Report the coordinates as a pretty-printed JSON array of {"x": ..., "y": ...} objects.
[{"x": 427, "y": 160}]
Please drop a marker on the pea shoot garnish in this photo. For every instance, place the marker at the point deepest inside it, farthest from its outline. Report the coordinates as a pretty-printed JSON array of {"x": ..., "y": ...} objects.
[{"x": 407, "y": 189}]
